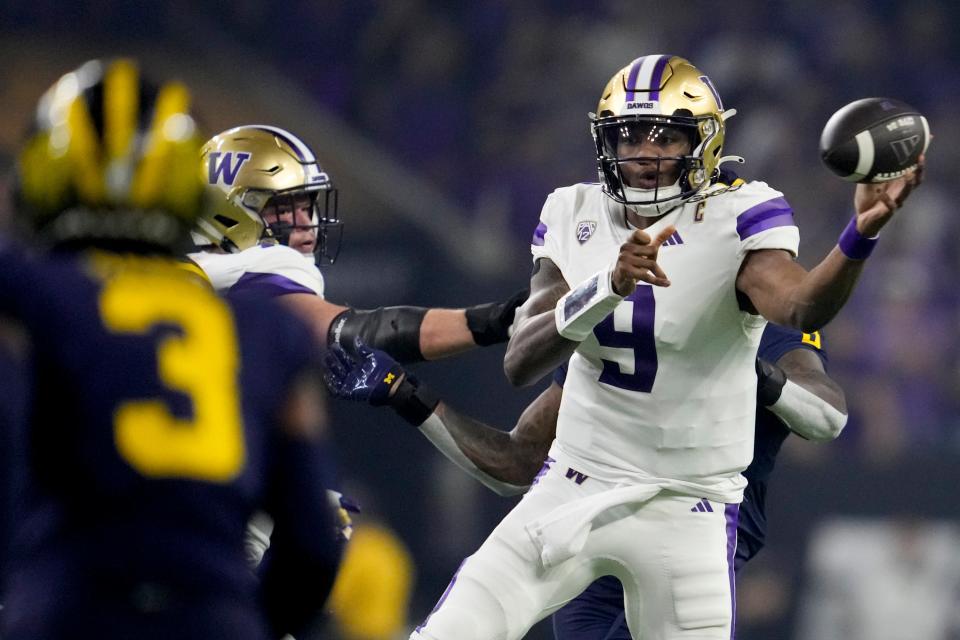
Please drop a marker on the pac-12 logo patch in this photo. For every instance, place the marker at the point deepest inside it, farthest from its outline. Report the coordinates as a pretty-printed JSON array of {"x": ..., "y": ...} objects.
[{"x": 585, "y": 229}]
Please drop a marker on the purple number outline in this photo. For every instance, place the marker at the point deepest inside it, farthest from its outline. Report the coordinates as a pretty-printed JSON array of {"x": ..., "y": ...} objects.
[{"x": 640, "y": 339}]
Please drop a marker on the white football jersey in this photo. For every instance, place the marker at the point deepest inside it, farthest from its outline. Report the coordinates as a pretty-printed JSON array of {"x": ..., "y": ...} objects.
[
  {"x": 665, "y": 386},
  {"x": 273, "y": 269}
]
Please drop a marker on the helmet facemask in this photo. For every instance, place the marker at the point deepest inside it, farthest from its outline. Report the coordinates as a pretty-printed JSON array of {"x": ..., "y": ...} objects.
[
  {"x": 306, "y": 220},
  {"x": 646, "y": 161}
]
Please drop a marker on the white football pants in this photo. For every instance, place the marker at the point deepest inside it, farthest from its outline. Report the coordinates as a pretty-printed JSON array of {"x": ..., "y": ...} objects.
[{"x": 673, "y": 554}]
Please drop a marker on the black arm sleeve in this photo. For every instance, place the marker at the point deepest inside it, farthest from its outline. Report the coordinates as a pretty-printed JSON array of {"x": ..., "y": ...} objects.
[
  {"x": 395, "y": 330},
  {"x": 490, "y": 323},
  {"x": 770, "y": 381}
]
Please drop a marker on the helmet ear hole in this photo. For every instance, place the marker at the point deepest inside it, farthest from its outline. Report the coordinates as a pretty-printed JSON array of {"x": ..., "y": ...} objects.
[{"x": 225, "y": 221}]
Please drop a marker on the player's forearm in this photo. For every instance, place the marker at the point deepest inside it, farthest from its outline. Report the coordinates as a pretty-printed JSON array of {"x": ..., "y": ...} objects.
[
  {"x": 409, "y": 334},
  {"x": 446, "y": 332},
  {"x": 821, "y": 386},
  {"x": 467, "y": 443},
  {"x": 494, "y": 454},
  {"x": 443, "y": 333},
  {"x": 807, "y": 414},
  {"x": 785, "y": 293},
  {"x": 536, "y": 349},
  {"x": 808, "y": 402},
  {"x": 413, "y": 334},
  {"x": 820, "y": 295},
  {"x": 395, "y": 330}
]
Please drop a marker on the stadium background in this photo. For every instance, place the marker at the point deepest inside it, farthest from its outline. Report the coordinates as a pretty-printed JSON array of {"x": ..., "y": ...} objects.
[{"x": 445, "y": 125}]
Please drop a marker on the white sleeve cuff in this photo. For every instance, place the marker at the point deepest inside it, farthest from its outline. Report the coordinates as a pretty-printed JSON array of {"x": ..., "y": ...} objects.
[
  {"x": 807, "y": 414},
  {"x": 579, "y": 311}
]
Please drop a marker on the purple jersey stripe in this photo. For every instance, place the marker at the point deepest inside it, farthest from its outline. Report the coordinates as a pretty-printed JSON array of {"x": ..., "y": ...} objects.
[
  {"x": 732, "y": 514},
  {"x": 632, "y": 78},
  {"x": 782, "y": 219},
  {"x": 657, "y": 78},
  {"x": 268, "y": 284},
  {"x": 538, "y": 235},
  {"x": 749, "y": 220}
]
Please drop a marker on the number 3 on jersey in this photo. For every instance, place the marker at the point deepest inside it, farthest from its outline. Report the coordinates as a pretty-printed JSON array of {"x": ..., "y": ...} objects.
[
  {"x": 200, "y": 361},
  {"x": 627, "y": 346}
]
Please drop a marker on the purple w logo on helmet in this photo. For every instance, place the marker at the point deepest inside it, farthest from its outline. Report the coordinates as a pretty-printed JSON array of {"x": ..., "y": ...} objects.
[{"x": 225, "y": 167}]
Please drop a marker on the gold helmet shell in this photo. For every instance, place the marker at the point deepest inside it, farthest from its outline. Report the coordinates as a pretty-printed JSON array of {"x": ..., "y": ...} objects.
[
  {"x": 111, "y": 158},
  {"x": 671, "y": 91},
  {"x": 244, "y": 168}
]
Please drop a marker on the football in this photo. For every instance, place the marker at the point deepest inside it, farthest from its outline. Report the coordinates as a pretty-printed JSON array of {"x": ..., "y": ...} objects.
[{"x": 874, "y": 140}]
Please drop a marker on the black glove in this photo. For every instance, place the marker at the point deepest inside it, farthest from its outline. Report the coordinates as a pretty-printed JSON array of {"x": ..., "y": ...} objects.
[
  {"x": 490, "y": 323},
  {"x": 770, "y": 381}
]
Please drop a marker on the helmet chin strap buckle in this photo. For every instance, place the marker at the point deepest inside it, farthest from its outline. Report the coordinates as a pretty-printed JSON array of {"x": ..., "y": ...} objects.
[{"x": 729, "y": 113}]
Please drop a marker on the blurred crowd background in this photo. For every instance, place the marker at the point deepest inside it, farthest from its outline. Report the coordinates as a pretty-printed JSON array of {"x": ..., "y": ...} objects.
[{"x": 446, "y": 124}]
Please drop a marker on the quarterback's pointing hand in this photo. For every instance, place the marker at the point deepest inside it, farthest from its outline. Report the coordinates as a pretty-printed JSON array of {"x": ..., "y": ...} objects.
[{"x": 637, "y": 262}]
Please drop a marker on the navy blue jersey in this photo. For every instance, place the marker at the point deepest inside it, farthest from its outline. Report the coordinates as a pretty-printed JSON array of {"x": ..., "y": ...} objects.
[
  {"x": 597, "y": 613},
  {"x": 768, "y": 438},
  {"x": 152, "y": 440},
  {"x": 15, "y": 382}
]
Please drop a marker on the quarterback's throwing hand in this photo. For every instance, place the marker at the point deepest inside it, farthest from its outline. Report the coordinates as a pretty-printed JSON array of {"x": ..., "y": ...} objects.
[
  {"x": 637, "y": 262},
  {"x": 876, "y": 202}
]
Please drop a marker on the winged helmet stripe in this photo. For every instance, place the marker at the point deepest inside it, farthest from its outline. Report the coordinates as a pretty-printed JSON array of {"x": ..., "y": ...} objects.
[{"x": 303, "y": 151}]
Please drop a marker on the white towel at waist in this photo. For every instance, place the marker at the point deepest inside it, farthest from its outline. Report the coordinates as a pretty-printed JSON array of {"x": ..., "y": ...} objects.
[{"x": 562, "y": 533}]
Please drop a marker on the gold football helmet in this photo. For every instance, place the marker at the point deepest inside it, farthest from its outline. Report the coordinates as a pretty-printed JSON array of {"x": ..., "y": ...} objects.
[
  {"x": 110, "y": 160},
  {"x": 666, "y": 101},
  {"x": 248, "y": 167}
]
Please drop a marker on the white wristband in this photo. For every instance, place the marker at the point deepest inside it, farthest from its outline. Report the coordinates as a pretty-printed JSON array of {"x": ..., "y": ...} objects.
[{"x": 579, "y": 311}]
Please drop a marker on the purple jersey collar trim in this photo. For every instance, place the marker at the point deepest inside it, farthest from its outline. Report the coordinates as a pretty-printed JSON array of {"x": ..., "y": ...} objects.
[{"x": 268, "y": 284}]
